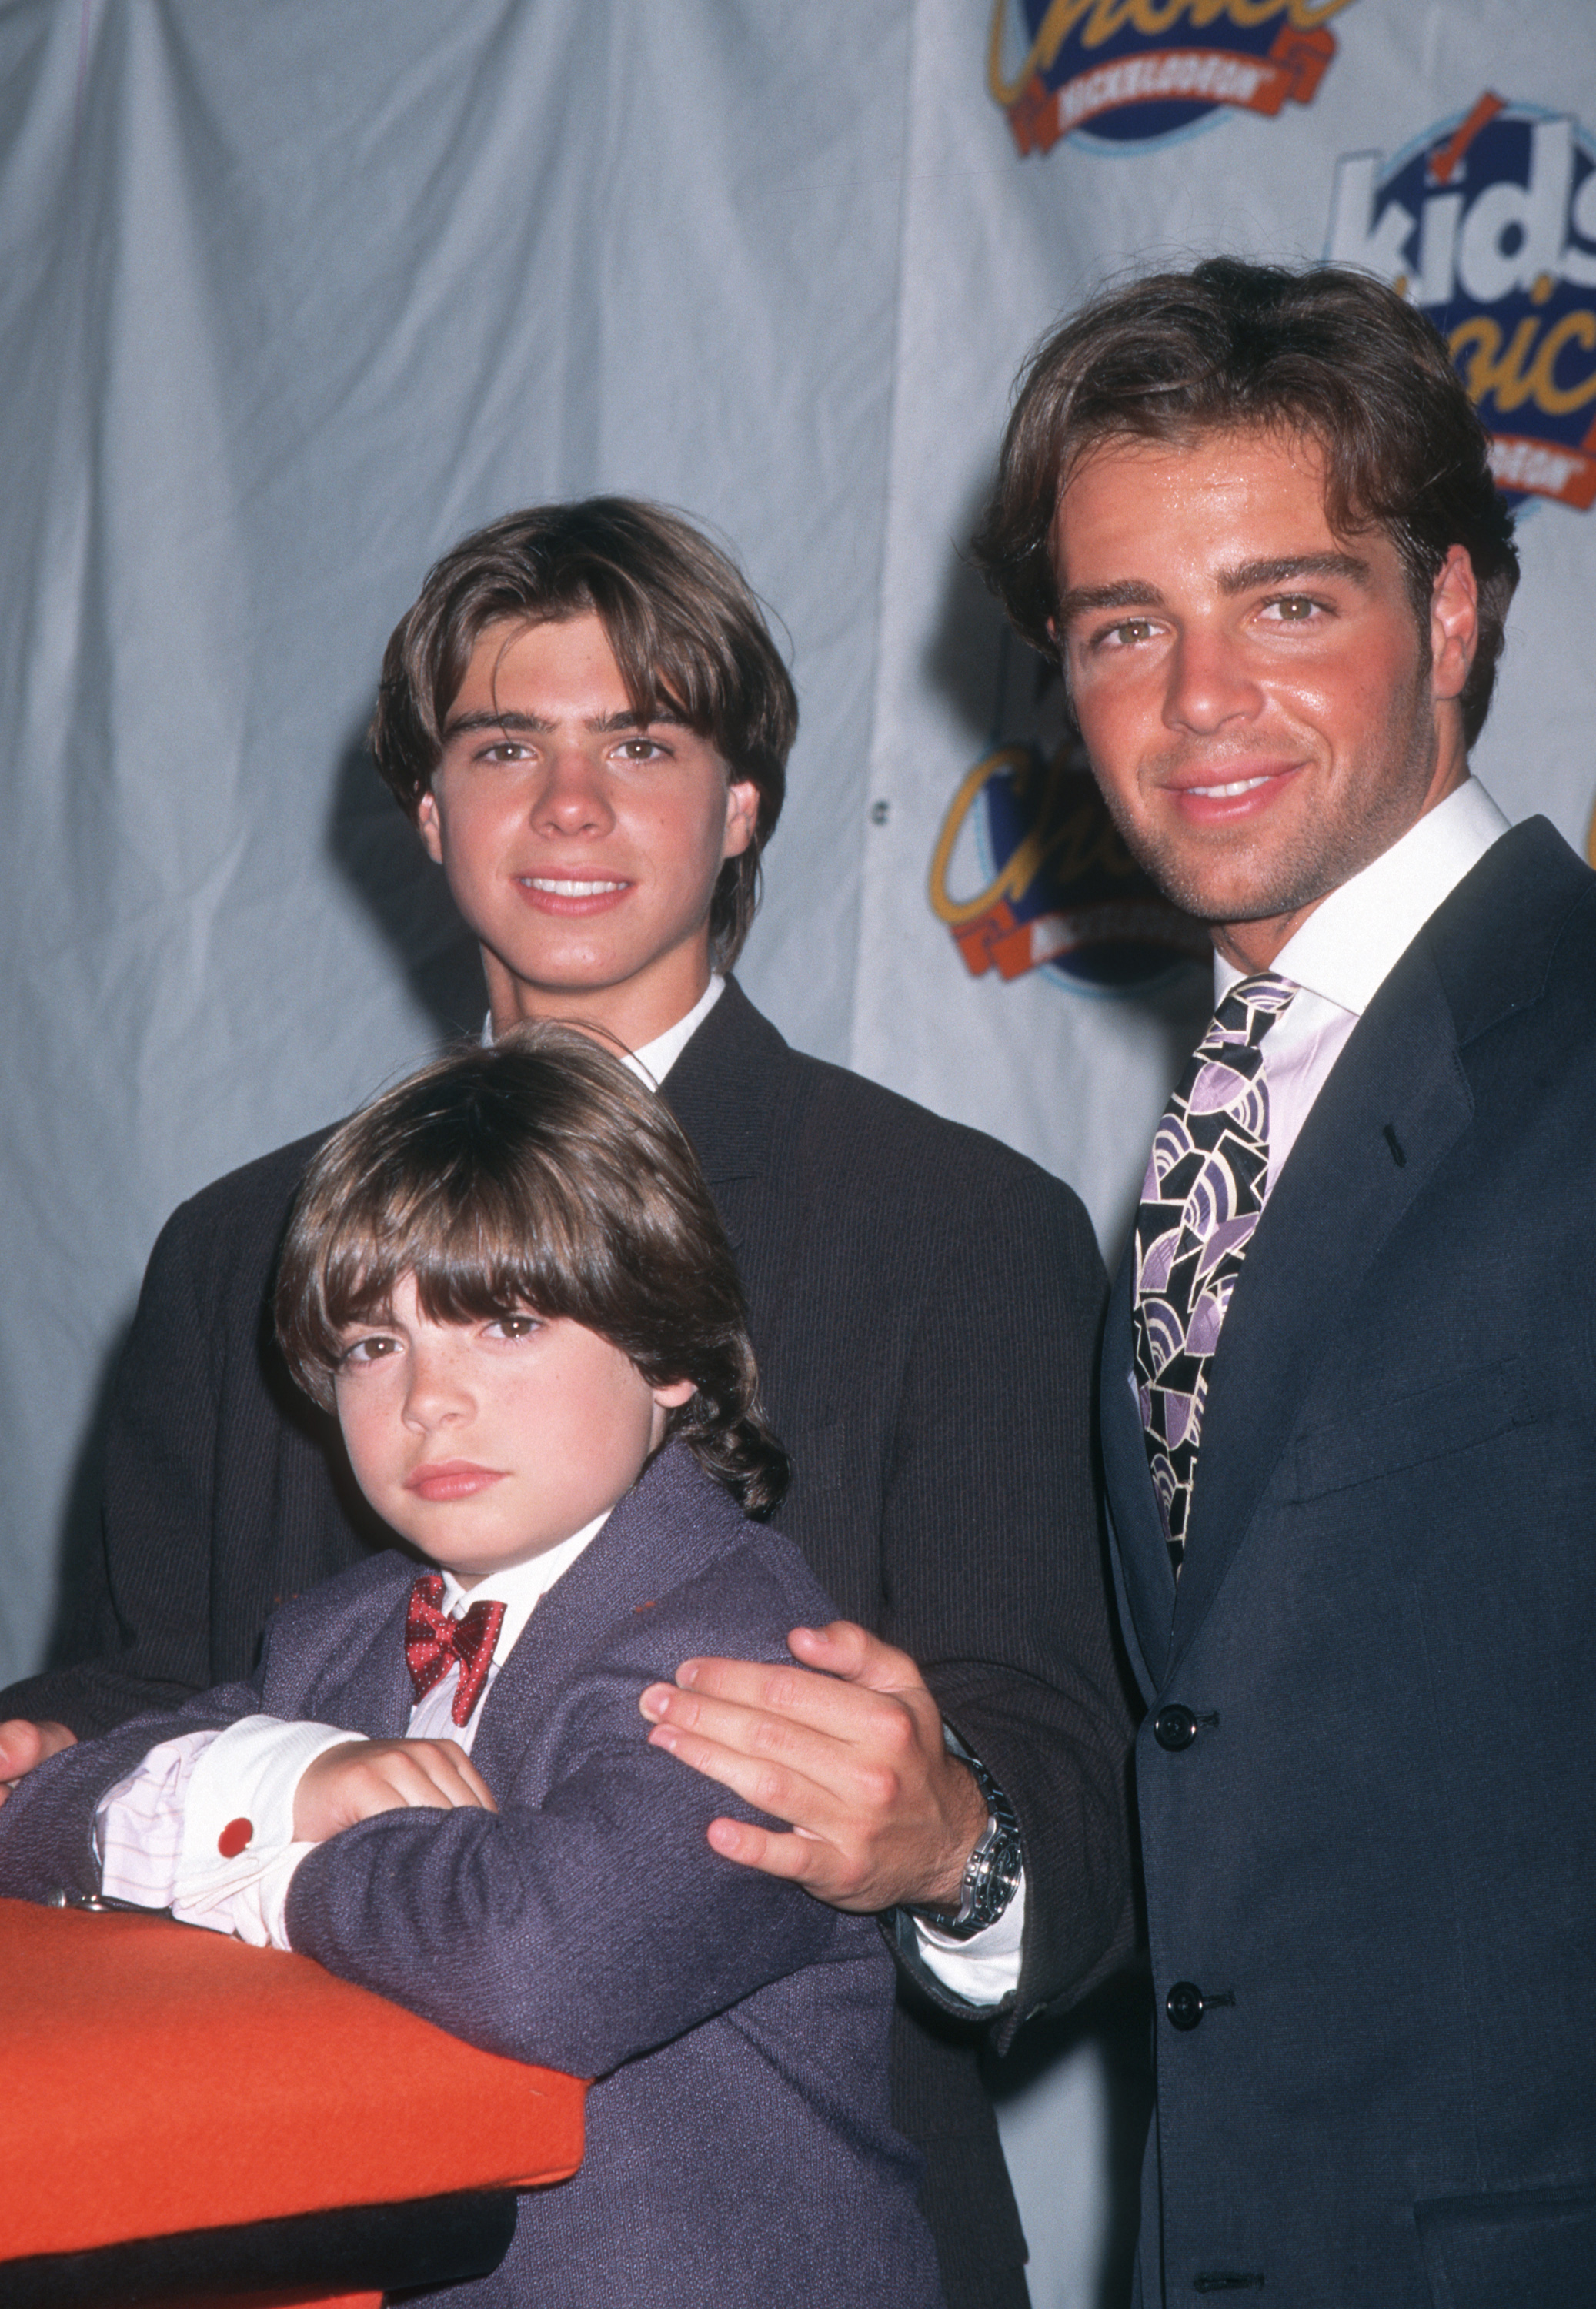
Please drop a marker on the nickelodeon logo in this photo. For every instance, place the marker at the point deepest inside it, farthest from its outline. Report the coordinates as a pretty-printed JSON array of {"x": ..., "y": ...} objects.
[
  {"x": 1134, "y": 70},
  {"x": 1490, "y": 224},
  {"x": 1058, "y": 890}
]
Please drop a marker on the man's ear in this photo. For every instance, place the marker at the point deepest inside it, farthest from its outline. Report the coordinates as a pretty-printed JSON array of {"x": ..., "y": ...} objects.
[
  {"x": 430, "y": 825},
  {"x": 742, "y": 817},
  {"x": 1453, "y": 624}
]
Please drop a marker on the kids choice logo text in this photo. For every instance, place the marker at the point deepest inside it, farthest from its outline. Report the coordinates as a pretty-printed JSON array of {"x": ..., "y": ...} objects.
[
  {"x": 1056, "y": 888},
  {"x": 1488, "y": 222},
  {"x": 1125, "y": 72}
]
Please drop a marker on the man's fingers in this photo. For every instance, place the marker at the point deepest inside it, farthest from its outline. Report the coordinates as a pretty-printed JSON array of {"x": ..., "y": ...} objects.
[
  {"x": 820, "y": 1867},
  {"x": 840, "y": 1652},
  {"x": 848, "y": 1751},
  {"x": 855, "y": 1762},
  {"x": 787, "y": 1712},
  {"x": 842, "y": 1648},
  {"x": 24, "y": 1745},
  {"x": 793, "y": 1857},
  {"x": 782, "y": 1789}
]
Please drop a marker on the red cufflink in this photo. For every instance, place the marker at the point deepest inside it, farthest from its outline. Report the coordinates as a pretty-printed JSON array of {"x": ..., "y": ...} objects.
[{"x": 234, "y": 1837}]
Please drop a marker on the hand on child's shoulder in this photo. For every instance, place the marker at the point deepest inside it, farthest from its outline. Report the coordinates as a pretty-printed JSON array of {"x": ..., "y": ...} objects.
[
  {"x": 362, "y": 1777},
  {"x": 23, "y": 1746}
]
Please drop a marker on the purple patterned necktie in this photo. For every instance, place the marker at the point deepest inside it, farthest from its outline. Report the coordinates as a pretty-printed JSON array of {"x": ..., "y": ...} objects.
[{"x": 1203, "y": 1197}]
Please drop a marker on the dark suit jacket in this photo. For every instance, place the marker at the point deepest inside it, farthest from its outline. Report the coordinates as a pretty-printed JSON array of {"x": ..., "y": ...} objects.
[
  {"x": 1367, "y": 1776},
  {"x": 740, "y": 2149},
  {"x": 923, "y": 1303}
]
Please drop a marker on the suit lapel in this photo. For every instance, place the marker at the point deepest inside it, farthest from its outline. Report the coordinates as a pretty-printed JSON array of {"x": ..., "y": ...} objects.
[
  {"x": 1340, "y": 1196},
  {"x": 668, "y": 1528},
  {"x": 721, "y": 1089},
  {"x": 1142, "y": 1555},
  {"x": 359, "y": 1675},
  {"x": 1483, "y": 955},
  {"x": 731, "y": 1091}
]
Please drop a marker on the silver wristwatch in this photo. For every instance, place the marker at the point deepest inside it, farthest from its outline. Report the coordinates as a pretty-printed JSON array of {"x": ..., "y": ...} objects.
[{"x": 995, "y": 1865}]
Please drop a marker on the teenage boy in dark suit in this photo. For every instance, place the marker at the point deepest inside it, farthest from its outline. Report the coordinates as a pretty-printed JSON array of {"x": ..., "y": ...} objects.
[{"x": 584, "y": 715}]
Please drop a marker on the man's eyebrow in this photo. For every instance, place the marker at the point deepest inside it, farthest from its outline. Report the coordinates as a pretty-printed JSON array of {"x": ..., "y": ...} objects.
[
  {"x": 1246, "y": 578},
  {"x": 1128, "y": 594},
  {"x": 605, "y": 725}
]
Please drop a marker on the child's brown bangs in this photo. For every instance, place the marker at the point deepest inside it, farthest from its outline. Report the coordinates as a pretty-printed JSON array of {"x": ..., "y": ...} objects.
[{"x": 478, "y": 1246}]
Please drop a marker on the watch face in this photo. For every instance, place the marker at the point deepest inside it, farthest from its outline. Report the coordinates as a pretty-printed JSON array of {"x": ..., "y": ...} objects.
[{"x": 990, "y": 1875}]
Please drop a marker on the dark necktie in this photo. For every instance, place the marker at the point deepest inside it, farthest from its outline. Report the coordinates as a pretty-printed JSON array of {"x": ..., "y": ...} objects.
[
  {"x": 1202, "y": 1196},
  {"x": 433, "y": 1642}
]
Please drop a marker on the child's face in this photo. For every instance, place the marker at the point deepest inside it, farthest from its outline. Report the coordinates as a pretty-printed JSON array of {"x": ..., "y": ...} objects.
[{"x": 488, "y": 1442}]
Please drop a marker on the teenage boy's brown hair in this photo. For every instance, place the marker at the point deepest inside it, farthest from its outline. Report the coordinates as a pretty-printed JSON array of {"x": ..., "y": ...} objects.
[
  {"x": 1234, "y": 347},
  {"x": 686, "y": 628},
  {"x": 537, "y": 1176}
]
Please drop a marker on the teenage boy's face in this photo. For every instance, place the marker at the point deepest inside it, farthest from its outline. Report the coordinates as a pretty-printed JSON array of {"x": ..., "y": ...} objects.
[
  {"x": 582, "y": 846},
  {"x": 487, "y": 1443}
]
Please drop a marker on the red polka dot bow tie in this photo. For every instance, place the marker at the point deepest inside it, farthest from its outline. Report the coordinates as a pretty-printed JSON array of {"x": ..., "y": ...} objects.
[{"x": 433, "y": 1642}]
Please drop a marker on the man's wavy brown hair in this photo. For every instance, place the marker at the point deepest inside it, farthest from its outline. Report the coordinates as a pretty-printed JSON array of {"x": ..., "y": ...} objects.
[
  {"x": 535, "y": 1176},
  {"x": 1324, "y": 354},
  {"x": 686, "y": 627}
]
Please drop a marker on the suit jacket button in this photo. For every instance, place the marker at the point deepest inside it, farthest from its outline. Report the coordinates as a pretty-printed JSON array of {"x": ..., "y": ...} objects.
[
  {"x": 1174, "y": 1728},
  {"x": 1183, "y": 2005}
]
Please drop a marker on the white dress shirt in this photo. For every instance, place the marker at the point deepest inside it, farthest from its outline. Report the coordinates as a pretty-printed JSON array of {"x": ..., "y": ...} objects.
[
  {"x": 1350, "y": 945},
  {"x": 652, "y": 1061}
]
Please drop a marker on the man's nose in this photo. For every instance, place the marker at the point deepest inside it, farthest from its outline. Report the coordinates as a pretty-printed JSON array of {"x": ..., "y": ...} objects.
[
  {"x": 1211, "y": 682},
  {"x": 574, "y": 794}
]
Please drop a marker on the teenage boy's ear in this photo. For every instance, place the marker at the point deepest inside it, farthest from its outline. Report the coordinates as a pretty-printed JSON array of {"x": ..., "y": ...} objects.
[
  {"x": 429, "y": 826},
  {"x": 742, "y": 817},
  {"x": 672, "y": 1397}
]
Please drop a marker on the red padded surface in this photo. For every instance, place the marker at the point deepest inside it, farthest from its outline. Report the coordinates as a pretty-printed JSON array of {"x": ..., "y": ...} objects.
[{"x": 154, "y": 2079}]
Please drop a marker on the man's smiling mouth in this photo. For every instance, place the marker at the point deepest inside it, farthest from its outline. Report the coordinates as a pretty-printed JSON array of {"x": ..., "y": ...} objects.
[{"x": 1224, "y": 793}]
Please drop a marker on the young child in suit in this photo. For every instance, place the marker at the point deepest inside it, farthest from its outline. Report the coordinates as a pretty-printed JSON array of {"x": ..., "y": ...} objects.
[{"x": 509, "y": 1278}]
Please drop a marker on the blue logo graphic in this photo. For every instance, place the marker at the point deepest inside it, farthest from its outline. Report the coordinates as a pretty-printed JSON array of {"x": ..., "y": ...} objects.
[{"x": 1488, "y": 223}]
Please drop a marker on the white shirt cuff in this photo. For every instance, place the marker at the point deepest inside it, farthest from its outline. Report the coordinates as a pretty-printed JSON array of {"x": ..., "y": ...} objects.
[
  {"x": 986, "y": 1967},
  {"x": 246, "y": 1780},
  {"x": 205, "y": 1826}
]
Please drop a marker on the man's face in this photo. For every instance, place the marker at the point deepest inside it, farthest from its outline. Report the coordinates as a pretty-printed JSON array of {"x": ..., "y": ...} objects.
[
  {"x": 1264, "y": 714},
  {"x": 582, "y": 846},
  {"x": 488, "y": 1442}
]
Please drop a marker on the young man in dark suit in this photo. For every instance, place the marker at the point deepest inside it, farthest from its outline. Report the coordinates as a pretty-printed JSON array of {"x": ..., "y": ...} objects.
[
  {"x": 584, "y": 715},
  {"x": 1349, "y": 1392}
]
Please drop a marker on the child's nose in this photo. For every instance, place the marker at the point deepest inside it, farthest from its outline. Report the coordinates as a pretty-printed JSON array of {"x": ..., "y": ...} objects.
[{"x": 437, "y": 1388}]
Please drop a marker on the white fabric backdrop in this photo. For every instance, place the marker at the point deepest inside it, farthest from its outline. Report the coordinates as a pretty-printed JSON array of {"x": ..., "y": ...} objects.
[{"x": 292, "y": 295}]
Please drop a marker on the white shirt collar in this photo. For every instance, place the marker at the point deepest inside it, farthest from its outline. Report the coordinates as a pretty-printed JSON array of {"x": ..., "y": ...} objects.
[
  {"x": 1351, "y": 942},
  {"x": 655, "y": 1060},
  {"x": 520, "y": 1588}
]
